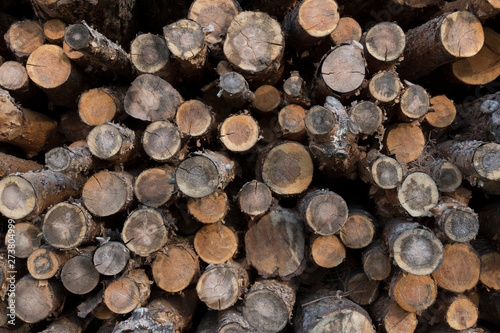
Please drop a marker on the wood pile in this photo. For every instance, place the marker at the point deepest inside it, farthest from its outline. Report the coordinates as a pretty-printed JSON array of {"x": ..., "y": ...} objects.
[{"x": 250, "y": 166}]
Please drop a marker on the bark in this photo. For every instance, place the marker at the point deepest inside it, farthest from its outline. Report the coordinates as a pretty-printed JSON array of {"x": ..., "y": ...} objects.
[
  {"x": 359, "y": 229},
  {"x": 255, "y": 198},
  {"x": 10, "y": 164},
  {"x": 384, "y": 45},
  {"x": 68, "y": 324},
  {"x": 209, "y": 209},
  {"x": 79, "y": 275},
  {"x": 376, "y": 262},
  {"x": 46, "y": 262},
  {"x": 54, "y": 31},
  {"x": 291, "y": 122},
  {"x": 153, "y": 187},
  {"x": 216, "y": 243},
  {"x": 14, "y": 78},
  {"x": 413, "y": 293},
  {"x": 100, "y": 105},
  {"x": 368, "y": 116},
  {"x": 235, "y": 89},
  {"x": 489, "y": 221},
  {"x": 327, "y": 251},
  {"x": 29, "y": 194},
  {"x": 113, "y": 143},
  {"x": 239, "y": 133},
  {"x": 418, "y": 194},
  {"x": 347, "y": 29},
  {"x": 380, "y": 170},
  {"x": 24, "y": 37},
  {"x": 392, "y": 317},
  {"x": 406, "y": 141},
  {"x": 457, "y": 221},
  {"x": 128, "y": 292},
  {"x": 195, "y": 119},
  {"x": 489, "y": 307},
  {"x": 163, "y": 142},
  {"x": 276, "y": 9},
  {"x": 295, "y": 90},
  {"x": 27, "y": 238},
  {"x": 232, "y": 320},
  {"x": 62, "y": 159},
  {"x": 482, "y": 9},
  {"x": 385, "y": 87}
]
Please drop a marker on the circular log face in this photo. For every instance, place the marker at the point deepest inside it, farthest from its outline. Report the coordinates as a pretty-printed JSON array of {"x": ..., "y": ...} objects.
[
  {"x": 328, "y": 251},
  {"x": 79, "y": 275},
  {"x": 239, "y": 133},
  {"x": 385, "y": 86},
  {"x": 209, "y": 209},
  {"x": 343, "y": 320},
  {"x": 487, "y": 161},
  {"x": 255, "y": 198},
  {"x": 197, "y": 177},
  {"x": 17, "y": 197},
  {"x": 149, "y": 53},
  {"x": 65, "y": 226},
  {"x": 105, "y": 194},
  {"x": 161, "y": 140},
  {"x": 48, "y": 66},
  {"x": 215, "y": 243},
  {"x": 406, "y": 141},
  {"x": 218, "y": 288},
  {"x": 418, "y": 194},
  {"x": 35, "y": 301},
  {"x": 13, "y": 75},
  {"x": 414, "y": 293},
  {"x": 368, "y": 116},
  {"x": 415, "y": 102},
  {"x": 152, "y": 186},
  {"x": 343, "y": 69},
  {"x": 462, "y": 34},
  {"x": 318, "y": 17},
  {"x": 122, "y": 296},
  {"x": 291, "y": 119},
  {"x": 385, "y": 41},
  {"x": 25, "y": 37},
  {"x": 319, "y": 120},
  {"x": 43, "y": 264},
  {"x": 194, "y": 118},
  {"x": 462, "y": 314},
  {"x": 325, "y": 212},
  {"x": 96, "y": 107},
  {"x": 347, "y": 29},
  {"x": 461, "y": 226},
  {"x": 185, "y": 38},
  {"x": 265, "y": 311},
  {"x": 174, "y": 270},
  {"x": 105, "y": 141},
  {"x": 386, "y": 172},
  {"x": 145, "y": 231}
]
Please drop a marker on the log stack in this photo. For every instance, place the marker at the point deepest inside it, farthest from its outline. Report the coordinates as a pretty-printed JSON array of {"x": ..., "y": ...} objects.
[{"x": 250, "y": 166}]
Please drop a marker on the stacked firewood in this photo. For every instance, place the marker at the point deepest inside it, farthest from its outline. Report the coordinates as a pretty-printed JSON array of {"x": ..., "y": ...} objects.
[{"x": 251, "y": 166}]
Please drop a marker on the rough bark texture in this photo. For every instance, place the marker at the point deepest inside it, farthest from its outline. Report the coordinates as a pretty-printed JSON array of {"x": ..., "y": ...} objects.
[
  {"x": 10, "y": 164},
  {"x": 77, "y": 159}
]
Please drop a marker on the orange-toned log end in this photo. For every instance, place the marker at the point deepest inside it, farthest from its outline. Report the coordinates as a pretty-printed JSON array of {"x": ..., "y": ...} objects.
[
  {"x": 442, "y": 112},
  {"x": 291, "y": 121},
  {"x": 453, "y": 30},
  {"x": 79, "y": 275},
  {"x": 413, "y": 293},
  {"x": 328, "y": 251},
  {"x": 255, "y": 198},
  {"x": 153, "y": 187},
  {"x": 54, "y": 31},
  {"x": 360, "y": 289},
  {"x": 359, "y": 229},
  {"x": 215, "y": 243},
  {"x": 44, "y": 263},
  {"x": 98, "y": 106},
  {"x": 460, "y": 269},
  {"x": 239, "y": 133},
  {"x": 490, "y": 270},
  {"x": 347, "y": 29},
  {"x": 406, "y": 141},
  {"x": 462, "y": 313},
  {"x": 48, "y": 66},
  {"x": 122, "y": 296},
  {"x": 210, "y": 209},
  {"x": 24, "y": 37},
  {"x": 194, "y": 118},
  {"x": 397, "y": 320},
  {"x": 267, "y": 98}
]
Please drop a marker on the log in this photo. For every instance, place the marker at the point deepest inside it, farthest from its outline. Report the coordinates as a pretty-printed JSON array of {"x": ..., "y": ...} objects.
[
  {"x": 286, "y": 167},
  {"x": 275, "y": 245},
  {"x": 10, "y": 164},
  {"x": 291, "y": 122},
  {"x": 26, "y": 237},
  {"x": 359, "y": 288},
  {"x": 24, "y": 37},
  {"x": 153, "y": 186},
  {"x": 27, "y": 195},
  {"x": 490, "y": 264},
  {"x": 477, "y": 160},
  {"x": 418, "y": 194},
  {"x": 46, "y": 262},
  {"x": 142, "y": 321},
  {"x": 176, "y": 266},
  {"x": 235, "y": 89},
  {"x": 385, "y": 87},
  {"x": 255, "y": 198},
  {"x": 149, "y": 54},
  {"x": 325, "y": 212},
  {"x": 151, "y": 98},
  {"x": 327, "y": 251},
  {"x": 413, "y": 293},
  {"x": 230, "y": 320},
  {"x": 414, "y": 102},
  {"x": 112, "y": 142},
  {"x": 100, "y": 105},
  {"x": 310, "y": 21},
  {"x": 129, "y": 292},
  {"x": 111, "y": 258},
  {"x": 146, "y": 230},
  {"x": 51, "y": 70},
  {"x": 68, "y": 225},
  {"x": 216, "y": 243},
  {"x": 446, "y": 175},
  {"x": 295, "y": 90},
  {"x": 268, "y": 305},
  {"x": 204, "y": 173},
  {"x": 195, "y": 119},
  {"x": 14, "y": 78},
  {"x": 482, "y": 9},
  {"x": 32, "y": 131},
  {"x": 255, "y": 46},
  {"x": 77, "y": 159},
  {"x": 54, "y": 31},
  {"x": 329, "y": 312},
  {"x": 368, "y": 116},
  {"x": 267, "y": 98},
  {"x": 384, "y": 45},
  {"x": 392, "y": 317},
  {"x": 162, "y": 141},
  {"x": 380, "y": 170},
  {"x": 359, "y": 229},
  {"x": 220, "y": 286},
  {"x": 79, "y": 275},
  {"x": 376, "y": 262},
  {"x": 415, "y": 249},
  {"x": 178, "y": 309},
  {"x": 460, "y": 269},
  {"x": 347, "y": 29},
  {"x": 36, "y": 300},
  {"x": 406, "y": 141},
  {"x": 457, "y": 221},
  {"x": 107, "y": 193},
  {"x": 69, "y": 324},
  {"x": 73, "y": 128},
  {"x": 239, "y": 133},
  {"x": 440, "y": 41},
  {"x": 209, "y": 209}
]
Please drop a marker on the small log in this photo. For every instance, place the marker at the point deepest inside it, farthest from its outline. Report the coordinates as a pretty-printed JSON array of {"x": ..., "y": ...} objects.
[
  {"x": 310, "y": 21},
  {"x": 79, "y": 275},
  {"x": 380, "y": 170},
  {"x": 460, "y": 269},
  {"x": 100, "y": 105},
  {"x": 327, "y": 251},
  {"x": 368, "y": 116},
  {"x": 68, "y": 324},
  {"x": 162, "y": 141},
  {"x": 376, "y": 262},
  {"x": 258, "y": 65},
  {"x": 267, "y": 98},
  {"x": 325, "y": 212},
  {"x": 360, "y": 289},
  {"x": 149, "y": 54},
  {"x": 268, "y": 305},
  {"x": 37, "y": 300},
  {"x": 10, "y": 164},
  {"x": 146, "y": 230},
  {"x": 286, "y": 168},
  {"x": 414, "y": 103},
  {"x": 295, "y": 90},
  {"x": 460, "y": 312},
  {"x": 235, "y": 89},
  {"x": 73, "y": 128},
  {"x": 406, "y": 141},
  {"x": 176, "y": 266},
  {"x": 45, "y": 262},
  {"x": 490, "y": 264},
  {"x": 195, "y": 119},
  {"x": 26, "y": 237},
  {"x": 129, "y": 292},
  {"x": 62, "y": 159},
  {"x": 413, "y": 293},
  {"x": 327, "y": 311},
  {"x": 446, "y": 175},
  {"x": 24, "y": 37},
  {"x": 209, "y": 209},
  {"x": 112, "y": 142},
  {"x": 32, "y": 131},
  {"x": 440, "y": 41},
  {"x": 99, "y": 48},
  {"x": 14, "y": 78},
  {"x": 384, "y": 45},
  {"x": 153, "y": 187},
  {"x": 291, "y": 121},
  {"x": 275, "y": 245},
  {"x": 239, "y": 133},
  {"x": 477, "y": 160},
  {"x": 111, "y": 258},
  {"x": 151, "y": 98},
  {"x": 393, "y": 318},
  {"x": 415, "y": 249},
  {"x": 216, "y": 243},
  {"x": 418, "y": 194},
  {"x": 177, "y": 309},
  {"x": 229, "y": 320},
  {"x": 54, "y": 31},
  {"x": 107, "y": 193},
  {"x": 51, "y": 70},
  {"x": 255, "y": 198},
  {"x": 482, "y": 9},
  {"x": 347, "y": 29},
  {"x": 26, "y": 195},
  {"x": 457, "y": 221},
  {"x": 68, "y": 225},
  {"x": 202, "y": 174},
  {"x": 142, "y": 320},
  {"x": 385, "y": 87},
  {"x": 359, "y": 229},
  {"x": 220, "y": 286}
]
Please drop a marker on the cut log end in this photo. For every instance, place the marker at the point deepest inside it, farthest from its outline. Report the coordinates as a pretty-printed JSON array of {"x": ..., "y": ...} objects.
[
  {"x": 153, "y": 187},
  {"x": 442, "y": 113},
  {"x": 461, "y": 226},
  {"x": 398, "y": 320},
  {"x": 360, "y": 289},
  {"x": 406, "y": 141},
  {"x": 413, "y": 293},
  {"x": 415, "y": 102},
  {"x": 26, "y": 237},
  {"x": 17, "y": 197},
  {"x": 48, "y": 66},
  {"x": 347, "y": 29},
  {"x": 105, "y": 141},
  {"x": 162, "y": 140},
  {"x": 185, "y": 38},
  {"x": 490, "y": 270},
  {"x": 328, "y": 251},
  {"x": 387, "y": 173},
  {"x": 239, "y": 133},
  {"x": 194, "y": 118},
  {"x": 122, "y": 296},
  {"x": 44, "y": 263},
  {"x": 79, "y": 275},
  {"x": 447, "y": 176},
  {"x": 255, "y": 198},
  {"x": 359, "y": 229},
  {"x": 324, "y": 211},
  {"x": 318, "y": 18},
  {"x": 267, "y": 98},
  {"x": 97, "y": 107},
  {"x": 291, "y": 120},
  {"x": 24, "y": 37},
  {"x": 368, "y": 116},
  {"x": 149, "y": 53},
  {"x": 54, "y": 31},
  {"x": 461, "y": 314},
  {"x": 58, "y": 159},
  {"x": 385, "y": 86},
  {"x": 486, "y": 161},
  {"x": 197, "y": 177},
  {"x": 319, "y": 121},
  {"x": 215, "y": 243},
  {"x": 377, "y": 264},
  {"x": 13, "y": 75},
  {"x": 385, "y": 41},
  {"x": 111, "y": 258},
  {"x": 453, "y": 30},
  {"x": 418, "y": 194},
  {"x": 36, "y": 300},
  {"x": 209, "y": 209}
]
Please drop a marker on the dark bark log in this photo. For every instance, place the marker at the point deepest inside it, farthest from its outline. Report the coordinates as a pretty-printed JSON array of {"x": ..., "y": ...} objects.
[
  {"x": 482, "y": 9},
  {"x": 359, "y": 288}
]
